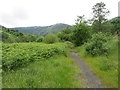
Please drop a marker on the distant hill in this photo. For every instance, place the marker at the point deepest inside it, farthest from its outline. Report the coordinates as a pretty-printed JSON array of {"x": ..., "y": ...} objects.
[
  {"x": 42, "y": 30},
  {"x": 117, "y": 17},
  {"x": 12, "y": 36}
]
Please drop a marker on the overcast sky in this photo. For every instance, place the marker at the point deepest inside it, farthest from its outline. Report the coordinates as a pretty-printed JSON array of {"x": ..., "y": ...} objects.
[{"x": 23, "y": 13}]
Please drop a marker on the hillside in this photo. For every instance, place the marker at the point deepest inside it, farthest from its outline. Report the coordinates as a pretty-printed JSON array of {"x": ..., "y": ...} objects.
[
  {"x": 12, "y": 36},
  {"x": 42, "y": 30}
]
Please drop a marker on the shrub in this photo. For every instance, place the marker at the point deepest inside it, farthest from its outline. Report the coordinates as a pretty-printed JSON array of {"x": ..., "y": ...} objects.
[
  {"x": 5, "y": 35},
  {"x": 69, "y": 44},
  {"x": 98, "y": 45},
  {"x": 19, "y": 54},
  {"x": 39, "y": 39},
  {"x": 51, "y": 38}
]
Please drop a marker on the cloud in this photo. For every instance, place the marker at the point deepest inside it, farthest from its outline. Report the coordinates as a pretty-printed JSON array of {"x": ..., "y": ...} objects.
[
  {"x": 14, "y": 17},
  {"x": 17, "y": 13},
  {"x": 119, "y": 8},
  {"x": 20, "y": 14}
]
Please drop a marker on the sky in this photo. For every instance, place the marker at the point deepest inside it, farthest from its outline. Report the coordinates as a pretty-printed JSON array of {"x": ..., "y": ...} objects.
[{"x": 24, "y": 13}]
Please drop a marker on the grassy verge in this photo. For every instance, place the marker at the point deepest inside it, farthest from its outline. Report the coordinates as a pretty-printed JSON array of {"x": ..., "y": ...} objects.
[
  {"x": 106, "y": 68},
  {"x": 55, "y": 72}
]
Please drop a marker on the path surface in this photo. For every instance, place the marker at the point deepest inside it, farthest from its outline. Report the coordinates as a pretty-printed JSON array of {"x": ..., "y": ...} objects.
[{"x": 91, "y": 80}]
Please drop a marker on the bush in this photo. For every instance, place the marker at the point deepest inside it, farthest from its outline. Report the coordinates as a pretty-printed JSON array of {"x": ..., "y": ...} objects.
[
  {"x": 98, "y": 45},
  {"x": 39, "y": 39},
  {"x": 69, "y": 44},
  {"x": 51, "y": 38}
]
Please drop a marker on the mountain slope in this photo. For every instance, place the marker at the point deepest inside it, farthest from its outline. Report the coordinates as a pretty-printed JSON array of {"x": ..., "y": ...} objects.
[{"x": 42, "y": 30}]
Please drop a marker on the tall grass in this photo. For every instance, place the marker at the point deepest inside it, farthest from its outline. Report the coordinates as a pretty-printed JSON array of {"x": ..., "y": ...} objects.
[{"x": 55, "y": 72}]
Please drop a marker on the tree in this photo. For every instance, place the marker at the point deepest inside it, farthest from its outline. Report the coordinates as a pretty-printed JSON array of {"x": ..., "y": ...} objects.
[
  {"x": 99, "y": 17},
  {"x": 80, "y": 19},
  {"x": 65, "y": 34},
  {"x": 81, "y": 34},
  {"x": 116, "y": 26}
]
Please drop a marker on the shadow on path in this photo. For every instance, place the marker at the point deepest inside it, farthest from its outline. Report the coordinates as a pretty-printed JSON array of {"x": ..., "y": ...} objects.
[{"x": 91, "y": 80}]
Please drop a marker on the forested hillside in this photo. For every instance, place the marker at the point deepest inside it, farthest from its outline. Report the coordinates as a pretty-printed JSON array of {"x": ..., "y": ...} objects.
[
  {"x": 42, "y": 30},
  {"x": 12, "y": 36}
]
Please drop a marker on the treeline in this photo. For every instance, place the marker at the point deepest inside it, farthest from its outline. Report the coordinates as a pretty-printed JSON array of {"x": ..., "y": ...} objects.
[{"x": 83, "y": 29}]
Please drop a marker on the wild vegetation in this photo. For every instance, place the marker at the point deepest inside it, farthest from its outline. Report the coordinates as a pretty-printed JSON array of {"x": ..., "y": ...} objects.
[
  {"x": 20, "y": 54},
  {"x": 14, "y": 36},
  {"x": 44, "y": 62},
  {"x": 55, "y": 72},
  {"x": 104, "y": 63}
]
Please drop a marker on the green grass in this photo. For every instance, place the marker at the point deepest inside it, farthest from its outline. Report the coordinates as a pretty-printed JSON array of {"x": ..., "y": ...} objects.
[
  {"x": 106, "y": 68},
  {"x": 55, "y": 72},
  {"x": 38, "y": 65}
]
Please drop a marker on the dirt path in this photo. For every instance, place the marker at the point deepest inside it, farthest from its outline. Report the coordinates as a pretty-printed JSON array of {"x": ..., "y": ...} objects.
[{"x": 91, "y": 80}]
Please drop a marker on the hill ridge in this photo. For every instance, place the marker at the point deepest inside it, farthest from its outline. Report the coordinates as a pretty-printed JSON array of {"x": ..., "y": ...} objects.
[{"x": 42, "y": 30}]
